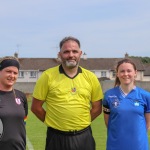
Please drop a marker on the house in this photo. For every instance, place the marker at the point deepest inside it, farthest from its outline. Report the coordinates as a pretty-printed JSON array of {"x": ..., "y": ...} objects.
[
  {"x": 147, "y": 72},
  {"x": 104, "y": 68}
]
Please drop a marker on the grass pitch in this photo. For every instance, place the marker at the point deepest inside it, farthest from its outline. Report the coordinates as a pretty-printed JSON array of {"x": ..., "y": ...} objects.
[{"x": 36, "y": 132}]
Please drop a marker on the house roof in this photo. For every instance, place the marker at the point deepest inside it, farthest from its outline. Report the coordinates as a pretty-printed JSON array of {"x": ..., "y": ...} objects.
[
  {"x": 37, "y": 63},
  {"x": 89, "y": 63},
  {"x": 147, "y": 69},
  {"x": 107, "y": 63}
]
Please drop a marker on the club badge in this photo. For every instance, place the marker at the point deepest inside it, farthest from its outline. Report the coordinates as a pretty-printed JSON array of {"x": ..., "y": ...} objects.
[
  {"x": 115, "y": 102},
  {"x": 136, "y": 103},
  {"x": 18, "y": 101}
]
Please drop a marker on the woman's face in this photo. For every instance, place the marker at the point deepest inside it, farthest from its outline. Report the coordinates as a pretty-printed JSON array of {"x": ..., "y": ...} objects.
[
  {"x": 8, "y": 76},
  {"x": 126, "y": 73}
]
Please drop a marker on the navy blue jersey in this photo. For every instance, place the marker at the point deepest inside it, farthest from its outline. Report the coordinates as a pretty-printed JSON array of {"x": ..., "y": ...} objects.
[
  {"x": 13, "y": 109},
  {"x": 127, "y": 125}
]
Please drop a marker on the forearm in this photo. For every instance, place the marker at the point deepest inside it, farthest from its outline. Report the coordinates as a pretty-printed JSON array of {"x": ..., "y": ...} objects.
[
  {"x": 96, "y": 109},
  {"x": 40, "y": 114},
  {"x": 106, "y": 118},
  {"x": 147, "y": 117},
  {"x": 95, "y": 113},
  {"x": 37, "y": 109}
]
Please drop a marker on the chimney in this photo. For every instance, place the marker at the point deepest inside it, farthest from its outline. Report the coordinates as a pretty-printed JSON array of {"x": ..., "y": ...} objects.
[
  {"x": 126, "y": 55},
  {"x": 16, "y": 54},
  {"x": 84, "y": 56}
]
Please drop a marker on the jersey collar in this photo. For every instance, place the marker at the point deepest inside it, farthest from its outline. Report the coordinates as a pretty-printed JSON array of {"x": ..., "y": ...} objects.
[{"x": 61, "y": 70}]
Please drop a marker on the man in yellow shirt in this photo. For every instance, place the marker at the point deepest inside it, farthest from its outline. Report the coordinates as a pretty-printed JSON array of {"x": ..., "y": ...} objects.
[{"x": 73, "y": 100}]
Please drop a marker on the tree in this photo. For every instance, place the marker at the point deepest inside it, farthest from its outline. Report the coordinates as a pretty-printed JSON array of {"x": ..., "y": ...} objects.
[{"x": 143, "y": 59}]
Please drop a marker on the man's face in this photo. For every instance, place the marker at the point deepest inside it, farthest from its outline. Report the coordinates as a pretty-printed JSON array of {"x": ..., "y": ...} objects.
[{"x": 70, "y": 54}]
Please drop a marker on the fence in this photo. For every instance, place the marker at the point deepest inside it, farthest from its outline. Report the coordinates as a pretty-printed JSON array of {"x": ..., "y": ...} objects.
[{"x": 28, "y": 87}]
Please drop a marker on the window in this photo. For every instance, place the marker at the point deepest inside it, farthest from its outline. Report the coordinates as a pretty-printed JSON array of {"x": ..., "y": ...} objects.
[
  {"x": 103, "y": 73},
  {"x": 93, "y": 71},
  {"x": 33, "y": 74},
  {"x": 114, "y": 74},
  {"x": 21, "y": 74}
]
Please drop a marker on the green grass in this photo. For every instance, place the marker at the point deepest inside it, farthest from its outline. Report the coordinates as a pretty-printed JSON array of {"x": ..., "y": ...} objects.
[
  {"x": 36, "y": 132},
  {"x": 99, "y": 132}
]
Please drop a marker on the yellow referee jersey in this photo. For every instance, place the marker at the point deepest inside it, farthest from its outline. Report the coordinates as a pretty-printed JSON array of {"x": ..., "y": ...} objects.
[{"x": 67, "y": 99}]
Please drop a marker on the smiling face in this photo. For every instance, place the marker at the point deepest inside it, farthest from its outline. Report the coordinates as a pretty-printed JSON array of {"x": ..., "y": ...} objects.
[
  {"x": 70, "y": 54},
  {"x": 8, "y": 77},
  {"x": 126, "y": 73}
]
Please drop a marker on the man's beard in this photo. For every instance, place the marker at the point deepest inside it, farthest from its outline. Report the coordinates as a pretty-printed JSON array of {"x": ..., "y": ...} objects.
[{"x": 71, "y": 64}]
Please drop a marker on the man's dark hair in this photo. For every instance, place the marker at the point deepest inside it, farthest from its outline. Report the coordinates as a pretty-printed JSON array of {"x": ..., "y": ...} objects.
[{"x": 67, "y": 39}]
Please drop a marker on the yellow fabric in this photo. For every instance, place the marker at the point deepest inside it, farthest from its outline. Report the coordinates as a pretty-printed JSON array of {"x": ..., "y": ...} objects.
[{"x": 67, "y": 100}]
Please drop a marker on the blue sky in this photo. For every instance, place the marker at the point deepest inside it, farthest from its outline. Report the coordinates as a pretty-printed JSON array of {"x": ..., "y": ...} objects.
[{"x": 105, "y": 28}]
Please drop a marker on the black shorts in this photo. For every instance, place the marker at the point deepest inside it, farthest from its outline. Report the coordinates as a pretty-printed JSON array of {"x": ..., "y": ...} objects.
[{"x": 77, "y": 140}]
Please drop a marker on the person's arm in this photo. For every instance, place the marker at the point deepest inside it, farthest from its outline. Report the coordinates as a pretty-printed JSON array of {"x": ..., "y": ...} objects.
[
  {"x": 106, "y": 112},
  {"x": 25, "y": 108},
  {"x": 37, "y": 109},
  {"x": 106, "y": 118},
  {"x": 147, "y": 117},
  {"x": 96, "y": 109}
]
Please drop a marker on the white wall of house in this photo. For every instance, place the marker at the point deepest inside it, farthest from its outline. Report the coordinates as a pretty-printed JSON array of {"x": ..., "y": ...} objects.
[
  {"x": 28, "y": 75},
  {"x": 146, "y": 78},
  {"x": 139, "y": 76},
  {"x": 102, "y": 73},
  {"x": 33, "y": 75}
]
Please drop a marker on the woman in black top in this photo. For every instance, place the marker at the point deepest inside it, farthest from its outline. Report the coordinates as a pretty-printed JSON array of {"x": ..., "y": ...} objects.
[{"x": 13, "y": 107}]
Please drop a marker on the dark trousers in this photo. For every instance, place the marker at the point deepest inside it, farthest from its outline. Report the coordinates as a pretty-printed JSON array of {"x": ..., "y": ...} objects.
[{"x": 58, "y": 140}]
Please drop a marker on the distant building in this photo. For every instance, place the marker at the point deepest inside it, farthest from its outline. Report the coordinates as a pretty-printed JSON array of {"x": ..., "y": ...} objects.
[{"x": 104, "y": 68}]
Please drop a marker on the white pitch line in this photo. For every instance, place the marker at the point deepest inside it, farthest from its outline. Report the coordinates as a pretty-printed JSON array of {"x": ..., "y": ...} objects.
[{"x": 29, "y": 145}]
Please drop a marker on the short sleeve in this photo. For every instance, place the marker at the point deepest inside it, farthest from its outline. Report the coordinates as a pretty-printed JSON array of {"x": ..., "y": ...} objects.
[{"x": 147, "y": 100}]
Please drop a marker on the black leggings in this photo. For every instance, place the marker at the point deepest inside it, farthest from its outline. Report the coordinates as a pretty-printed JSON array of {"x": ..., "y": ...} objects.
[{"x": 59, "y": 141}]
